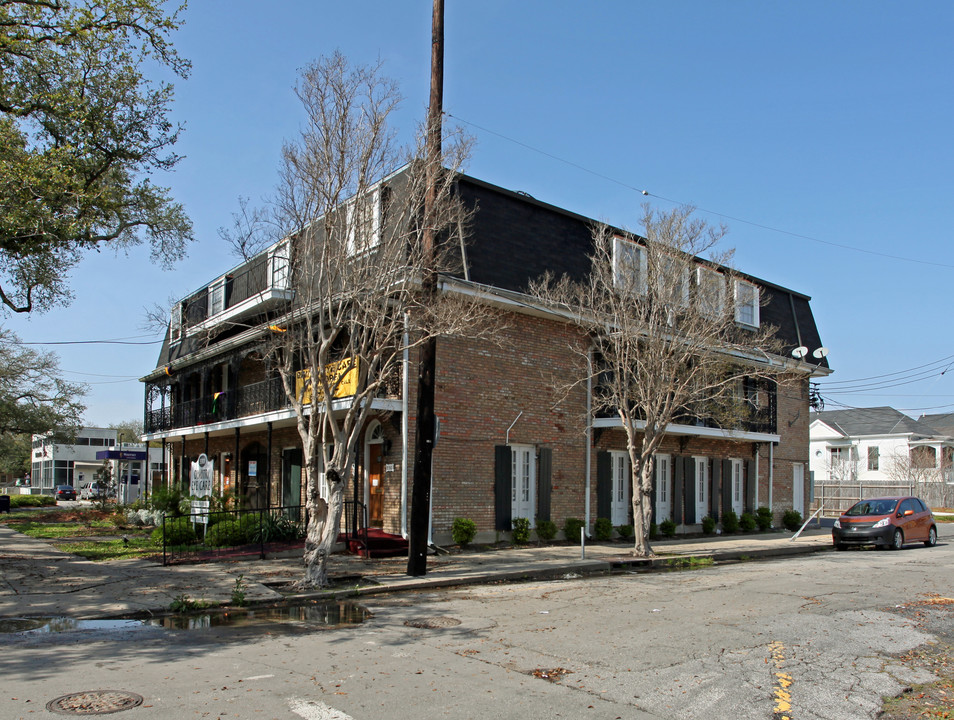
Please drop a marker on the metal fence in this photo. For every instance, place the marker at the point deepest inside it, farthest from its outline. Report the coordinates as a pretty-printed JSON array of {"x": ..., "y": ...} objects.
[
  {"x": 225, "y": 534},
  {"x": 838, "y": 497}
]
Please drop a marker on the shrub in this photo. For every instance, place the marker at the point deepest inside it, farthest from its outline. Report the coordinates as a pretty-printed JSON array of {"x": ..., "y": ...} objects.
[
  {"x": 653, "y": 531},
  {"x": 232, "y": 532},
  {"x": 667, "y": 528},
  {"x": 464, "y": 530},
  {"x": 603, "y": 529},
  {"x": 139, "y": 518},
  {"x": 792, "y": 520},
  {"x": 763, "y": 517},
  {"x": 177, "y": 532},
  {"x": 18, "y": 501},
  {"x": 546, "y": 530},
  {"x": 276, "y": 528},
  {"x": 730, "y": 522},
  {"x": 521, "y": 531},
  {"x": 708, "y": 524},
  {"x": 167, "y": 500},
  {"x": 571, "y": 529},
  {"x": 747, "y": 522},
  {"x": 625, "y": 531}
]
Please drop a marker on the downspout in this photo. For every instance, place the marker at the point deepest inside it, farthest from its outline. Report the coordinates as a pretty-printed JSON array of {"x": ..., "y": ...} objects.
[
  {"x": 511, "y": 427},
  {"x": 405, "y": 382},
  {"x": 587, "y": 459},
  {"x": 758, "y": 453},
  {"x": 771, "y": 474}
]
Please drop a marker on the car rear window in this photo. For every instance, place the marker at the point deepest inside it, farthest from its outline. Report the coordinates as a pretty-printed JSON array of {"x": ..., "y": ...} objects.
[{"x": 872, "y": 507}]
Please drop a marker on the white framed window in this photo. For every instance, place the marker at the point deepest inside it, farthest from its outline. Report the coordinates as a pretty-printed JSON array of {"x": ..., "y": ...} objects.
[
  {"x": 874, "y": 458},
  {"x": 746, "y": 303},
  {"x": 663, "y": 503},
  {"x": 217, "y": 297},
  {"x": 629, "y": 266},
  {"x": 737, "y": 504},
  {"x": 279, "y": 258},
  {"x": 672, "y": 281},
  {"x": 710, "y": 291},
  {"x": 175, "y": 322},
  {"x": 364, "y": 216}
]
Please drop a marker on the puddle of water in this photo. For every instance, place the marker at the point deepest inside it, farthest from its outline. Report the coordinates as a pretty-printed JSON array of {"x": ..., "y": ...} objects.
[{"x": 332, "y": 614}]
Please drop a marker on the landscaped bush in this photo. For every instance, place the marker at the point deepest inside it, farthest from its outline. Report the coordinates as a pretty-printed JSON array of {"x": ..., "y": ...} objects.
[
  {"x": 139, "y": 518},
  {"x": 625, "y": 531},
  {"x": 232, "y": 532},
  {"x": 708, "y": 524},
  {"x": 653, "y": 531},
  {"x": 667, "y": 528},
  {"x": 177, "y": 532},
  {"x": 546, "y": 530},
  {"x": 276, "y": 528},
  {"x": 763, "y": 517},
  {"x": 747, "y": 522},
  {"x": 18, "y": 501},
  {"x": 464, "y": 530},
  {"x": 167, "y": 500},
  {"x": 730, "y": 522},
  {"x": 521, "y": 531},
  {"x": 792, "y": 520},
  {"x": 603, "y": 529},
  {"x": 571, "y": 529}
]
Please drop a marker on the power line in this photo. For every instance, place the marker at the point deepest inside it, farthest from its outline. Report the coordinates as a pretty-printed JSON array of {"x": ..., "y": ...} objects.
[{"x": 733, "y": 218}]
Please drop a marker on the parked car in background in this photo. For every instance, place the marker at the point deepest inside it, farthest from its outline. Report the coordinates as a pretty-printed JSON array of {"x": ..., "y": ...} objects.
[
  {"x": 885, "y": 522},
  {"x": 92, "y": 491},
  {"x": 64, "y": 492}
]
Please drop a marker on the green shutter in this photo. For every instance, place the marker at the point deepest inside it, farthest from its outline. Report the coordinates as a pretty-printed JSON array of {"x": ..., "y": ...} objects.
[{"x": 503, "y": 488}]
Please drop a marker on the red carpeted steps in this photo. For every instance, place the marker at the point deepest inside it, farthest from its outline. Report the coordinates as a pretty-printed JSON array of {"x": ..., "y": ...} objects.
[{"x": 375, "y": 543}]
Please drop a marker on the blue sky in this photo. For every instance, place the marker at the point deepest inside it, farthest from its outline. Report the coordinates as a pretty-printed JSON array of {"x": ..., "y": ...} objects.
[{"x": 820, "y": 132}]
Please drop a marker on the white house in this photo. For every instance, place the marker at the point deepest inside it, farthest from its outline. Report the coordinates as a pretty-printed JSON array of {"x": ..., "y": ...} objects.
[{"x": 877, "y": 445}]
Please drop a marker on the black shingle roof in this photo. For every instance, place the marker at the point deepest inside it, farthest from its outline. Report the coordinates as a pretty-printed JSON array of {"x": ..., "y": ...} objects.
[{"x": 874, "y": 421}]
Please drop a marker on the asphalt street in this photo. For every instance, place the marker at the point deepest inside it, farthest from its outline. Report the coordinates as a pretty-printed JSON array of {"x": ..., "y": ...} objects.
[{"x": 814, "y": 636}]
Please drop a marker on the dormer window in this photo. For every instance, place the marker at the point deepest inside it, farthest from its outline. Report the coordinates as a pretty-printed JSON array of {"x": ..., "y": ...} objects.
[
  {"x": 710, "y": 291},
  {"x": 672, "y": 282},
  {"x": 629, "y": 267},
  {"x": 175, "y": 322},
  {"x": 746, "y": 303},
  {"x": 217, "y": 297}
]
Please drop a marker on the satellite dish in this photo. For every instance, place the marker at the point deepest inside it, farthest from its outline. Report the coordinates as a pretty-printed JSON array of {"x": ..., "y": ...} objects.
[
  {"x": 800, "y": 352},
  {"x": 820, "y": 353}
]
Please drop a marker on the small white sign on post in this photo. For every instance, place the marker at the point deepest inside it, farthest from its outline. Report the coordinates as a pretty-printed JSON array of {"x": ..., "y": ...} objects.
[
  {"x": 201, "y": 477},
  {"x": 200, "y": 512}
]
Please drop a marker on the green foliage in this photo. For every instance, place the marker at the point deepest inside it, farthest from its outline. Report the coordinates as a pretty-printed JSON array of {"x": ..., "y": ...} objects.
[
  {"x": 730, "y": 522},
  {"x": 667, "y": 528},
  {"x": 81, "y": 132},
  {"x": 183, "y": 604},
  {"x": 625, "y": 532},
  {"x": 546, "y": 530},
  {"x": 747, "y": 522},
  {"x": 521, "y": 531},
  {"x": 464, "y": 530},
  {"x": 690, "y": 562},
  {"x": 238, "y": 591},
  {"x": 15, "y": 453},
  {"x": 653, "y": 531},
  {"x": 763, "y": 518},
  {"x": 167, "y": 500},
  {"x": 792, "y": 520},
  {"x": 234, "y": 531},
  {"x": 19, "y": 501},
  {"x": 708, "y": 525},
  {"x": 178, "y": 531},
  {"x": 571, "y": 529},
  {"x": 603, "y": 529},
  {"x": 275, "y": 528}
]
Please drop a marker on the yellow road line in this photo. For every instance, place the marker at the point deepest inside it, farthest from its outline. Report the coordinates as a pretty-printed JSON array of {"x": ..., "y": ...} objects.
[{"x": 783, "y": 681}]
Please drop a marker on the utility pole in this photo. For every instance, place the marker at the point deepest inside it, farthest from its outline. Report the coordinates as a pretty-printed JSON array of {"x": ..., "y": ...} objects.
[{"x": 424, "y": 432}]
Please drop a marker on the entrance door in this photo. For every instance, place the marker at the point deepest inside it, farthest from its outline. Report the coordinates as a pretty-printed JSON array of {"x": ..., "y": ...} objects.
[
  {"x": 737, "y": 500},
  {"x": 798, "y": 487},
  {"x": 292, "y": 460},
  {"x": 619, "y": 507},
  {"x": 375, "y": 486},
  {"x": 702, "y": 488},
  {"x": 254, "y": 479},
  {"x": 523, "y": 475},
  {"x": 663, "y": 489}
]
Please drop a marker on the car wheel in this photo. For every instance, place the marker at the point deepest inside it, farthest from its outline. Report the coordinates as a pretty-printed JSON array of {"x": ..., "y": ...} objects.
[
  {"x": 932, "y": 538},
  {"x": 897, "y": 540},
  {"x": 840, "y": 546}
]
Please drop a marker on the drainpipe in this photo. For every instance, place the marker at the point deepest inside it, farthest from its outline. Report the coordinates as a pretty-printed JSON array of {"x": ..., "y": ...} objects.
[
  {"x": 511, "y": 426},
  {"x": 589, "y": 439},
  {"x": 758, "y": 453},
  {"x": 771, "y": 473},
  {"x": 405, "y": 383}
]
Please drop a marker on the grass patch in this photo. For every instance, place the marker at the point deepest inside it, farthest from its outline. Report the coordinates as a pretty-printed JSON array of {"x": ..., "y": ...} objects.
[
  {"x": 116, "y": 549},
  {"x": 931, "y": 700},
  {"x": 944, "y": 518},
  {"x": 56, "y": 531},
  {"x": 690, "y": 562}
]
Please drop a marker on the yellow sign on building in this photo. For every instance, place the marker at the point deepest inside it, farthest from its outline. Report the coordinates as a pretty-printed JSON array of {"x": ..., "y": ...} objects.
[{"x": 342, "y": 377}]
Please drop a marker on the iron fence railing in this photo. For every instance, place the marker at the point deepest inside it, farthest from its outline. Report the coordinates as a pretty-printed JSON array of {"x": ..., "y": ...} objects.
[{"x": 221, "y": 534}]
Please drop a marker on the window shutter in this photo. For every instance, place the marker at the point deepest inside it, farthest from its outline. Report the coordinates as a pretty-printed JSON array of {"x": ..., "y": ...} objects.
[
  {"x": 544, "y": 483},
  {"x": 689, "y": 480},
  {"x": 751, "y": 483},
  {"x": 503, "y": 488},
  {"x": 604, "y": 484},
  {"x": 715, "y": 489},
  {"x": 652, "y": 495},
  {"x": 678, "y": 480},
  {"x": 726, "y": 486}
]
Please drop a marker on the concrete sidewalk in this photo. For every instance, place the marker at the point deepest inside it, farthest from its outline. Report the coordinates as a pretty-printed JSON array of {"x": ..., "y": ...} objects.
[{"x": 38, "y": 580}]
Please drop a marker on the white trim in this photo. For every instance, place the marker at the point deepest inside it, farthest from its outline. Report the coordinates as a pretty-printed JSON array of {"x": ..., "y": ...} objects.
[
  {"x": 623, "y": 253},
  {"x": 672, "y": 429},
  {"x": 743, "y": 305}
]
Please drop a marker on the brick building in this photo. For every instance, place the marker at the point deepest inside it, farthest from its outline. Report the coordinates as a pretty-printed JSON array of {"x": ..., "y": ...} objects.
[{"x": 509, "y": 445}]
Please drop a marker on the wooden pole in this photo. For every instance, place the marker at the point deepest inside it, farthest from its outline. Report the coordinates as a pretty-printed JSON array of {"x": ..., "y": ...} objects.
[{"x": 424, "y": 432}]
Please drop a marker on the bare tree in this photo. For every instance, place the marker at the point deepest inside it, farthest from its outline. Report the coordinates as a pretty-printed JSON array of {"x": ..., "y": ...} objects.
[
  {"x": 354, "y": 266},
  {"x": 665, "y": 343},
  {"x": 924, "y": 474}
]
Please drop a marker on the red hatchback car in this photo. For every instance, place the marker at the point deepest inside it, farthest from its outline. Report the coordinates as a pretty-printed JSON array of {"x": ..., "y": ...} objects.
[{"x": 885, "y": 522}]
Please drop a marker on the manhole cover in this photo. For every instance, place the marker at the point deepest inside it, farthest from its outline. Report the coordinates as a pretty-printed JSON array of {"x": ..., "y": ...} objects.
[
  {"x": 433, "y": 623},
  {"x": 94, "y": 702}
]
